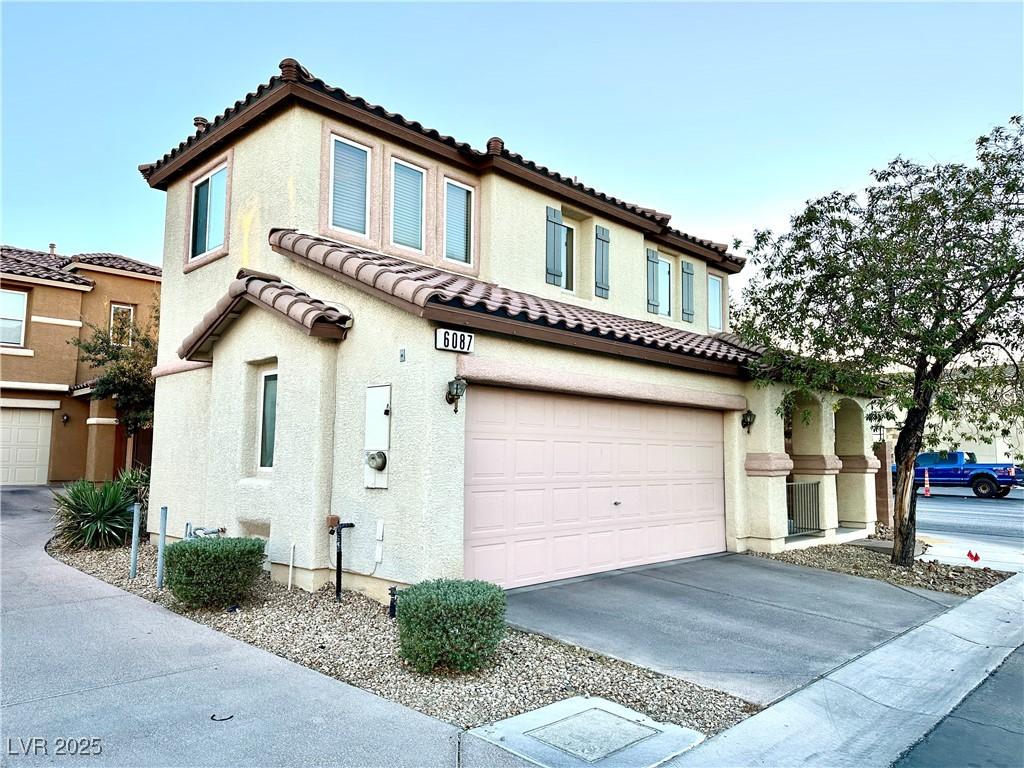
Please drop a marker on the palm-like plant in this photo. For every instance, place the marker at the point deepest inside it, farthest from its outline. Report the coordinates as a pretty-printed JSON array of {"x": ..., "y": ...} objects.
[{"x": 91, "y": 517}]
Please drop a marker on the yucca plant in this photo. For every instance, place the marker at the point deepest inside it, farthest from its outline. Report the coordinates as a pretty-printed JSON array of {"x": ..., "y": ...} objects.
[
  {"x": 91, "y": 517},
  {"x": 136, "y": 482}
]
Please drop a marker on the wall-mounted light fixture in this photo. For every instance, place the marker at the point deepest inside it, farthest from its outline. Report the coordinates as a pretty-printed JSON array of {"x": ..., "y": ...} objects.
[
  {"x": 64, "y": 419},
  {"x": 747, "y": 420},
  {"x": 456, "y": 389}
]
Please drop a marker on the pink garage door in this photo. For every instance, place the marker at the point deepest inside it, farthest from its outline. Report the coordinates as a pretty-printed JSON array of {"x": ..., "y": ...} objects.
[{"x": 560, "y": 486}]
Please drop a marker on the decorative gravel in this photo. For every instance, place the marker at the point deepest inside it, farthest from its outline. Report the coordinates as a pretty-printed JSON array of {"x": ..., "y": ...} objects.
[
  {"x": 356, "y": 642},
  {"x": 858, "y": 561}
]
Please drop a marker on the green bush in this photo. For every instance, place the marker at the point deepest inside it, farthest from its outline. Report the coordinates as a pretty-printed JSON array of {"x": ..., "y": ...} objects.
[
  {"x": 456, "y": 624},
  {"x": 91, "y": 517},
  {"x": 136, "y": 481},
  {"x": 213, "y": 572}
]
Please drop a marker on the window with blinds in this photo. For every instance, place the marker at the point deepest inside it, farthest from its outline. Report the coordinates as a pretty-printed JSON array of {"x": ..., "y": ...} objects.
[
  {"x": 209, "y": 204},
  {"x": 350, "y": 174},
  {"x": 407, "y": 183},
  {"x": 458, "y": 222}
]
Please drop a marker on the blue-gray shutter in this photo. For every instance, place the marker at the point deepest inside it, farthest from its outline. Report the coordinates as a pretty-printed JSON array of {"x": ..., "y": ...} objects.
[
  {"x": 652, "y": 280},
  {"x": 349, "y": 193},
  {"x": 601, "y": 245},
  {"x": 457, "y": 227},
  {"x": 687, "y": 292},
  {"x": 554, "y": 262},
  {"x": 407, "y": 216}
]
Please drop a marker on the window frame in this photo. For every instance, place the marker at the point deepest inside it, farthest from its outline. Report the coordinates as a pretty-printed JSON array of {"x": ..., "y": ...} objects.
[
  {"x": 367, "y": 196},
  {"x": 565, "y": 272},
  {"x": 24, "y": 318},
  {"x": 423, "y": 204},
  {"x": 722, "y": 303},
  {"x": 222, "y": 165},
  {"x": 470, "y": 218},
  {"x": 264, "y": 375},
  {"x": 668, "y": 263},
  {"x": 131, "y": 310}
]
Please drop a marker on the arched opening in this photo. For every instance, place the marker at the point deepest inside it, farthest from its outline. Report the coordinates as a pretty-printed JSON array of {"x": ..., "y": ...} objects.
[
  {"x": 804, "y": 442},
  {"x": 855, "y": 499}
]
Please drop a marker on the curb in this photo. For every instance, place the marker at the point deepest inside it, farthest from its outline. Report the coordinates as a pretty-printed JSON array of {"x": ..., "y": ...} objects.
[{"x": 870, "y": 711}]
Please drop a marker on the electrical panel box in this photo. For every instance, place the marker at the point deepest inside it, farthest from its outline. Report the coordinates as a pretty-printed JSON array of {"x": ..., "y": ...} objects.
[{"x": 377, "y": 437}]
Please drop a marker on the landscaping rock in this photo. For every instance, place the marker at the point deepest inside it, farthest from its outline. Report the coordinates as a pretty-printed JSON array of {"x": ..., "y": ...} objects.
[
  {"x": 355, "y": 641},
  {"x": 861, "y": 561}
]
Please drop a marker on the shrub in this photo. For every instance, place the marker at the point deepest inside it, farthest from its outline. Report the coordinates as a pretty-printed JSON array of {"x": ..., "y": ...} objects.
[
  {"x": 457, "y": 624},
  {"x": 213, "y": 572},
  {"x": 91, "y": 517},
  {"x": 136, "y": 481}
]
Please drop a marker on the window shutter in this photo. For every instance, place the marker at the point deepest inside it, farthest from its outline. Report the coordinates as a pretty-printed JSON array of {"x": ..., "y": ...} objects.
[
  {"x": 687, "y": 271},
  {"x": 652, "y": 281},
  {"x": 601, "y": 246},
  {"x": 554, "y": 266},
  {"x": 407, "y": 216},
  {"x": 349, "y": 192}
]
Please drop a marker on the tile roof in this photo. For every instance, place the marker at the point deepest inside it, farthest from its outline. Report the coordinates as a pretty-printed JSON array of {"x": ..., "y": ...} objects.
[
  {"x": 422, "y": 287},
  {"x": 36, "y": 264},
  {"x": 116, "y": 261},
  {"x": 294, "y": 74},
  {"x": 61, "y": 268},
  {"x": 312, "y": 316}
]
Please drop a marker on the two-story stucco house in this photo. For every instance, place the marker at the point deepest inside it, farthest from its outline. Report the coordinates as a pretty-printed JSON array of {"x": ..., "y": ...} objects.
[
  {"x": 52, "y": 430},
  {"x": 489, "y": 368}
]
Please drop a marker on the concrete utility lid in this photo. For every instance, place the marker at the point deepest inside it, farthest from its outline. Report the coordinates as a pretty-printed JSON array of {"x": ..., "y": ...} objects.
[{"x": 584, "y": 731}]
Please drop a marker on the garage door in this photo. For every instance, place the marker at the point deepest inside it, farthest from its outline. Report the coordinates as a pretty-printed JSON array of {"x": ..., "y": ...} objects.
[
  {"x": 559, "y": 486},
  {"x": 24, "y": 445}
]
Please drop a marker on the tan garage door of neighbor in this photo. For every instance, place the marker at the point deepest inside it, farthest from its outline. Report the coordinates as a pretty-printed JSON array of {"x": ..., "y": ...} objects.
[
  {"x": 559, "y": 485},
  {"x": 24, "y": 445}
]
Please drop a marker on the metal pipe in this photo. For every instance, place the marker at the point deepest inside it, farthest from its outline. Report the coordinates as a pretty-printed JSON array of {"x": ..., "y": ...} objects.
[
  {"x": 136, "y": 514},
  {"x": 337, "y": 558},
  {"x": 160, "y": 549},
  {"x": 291, "y": 566}
]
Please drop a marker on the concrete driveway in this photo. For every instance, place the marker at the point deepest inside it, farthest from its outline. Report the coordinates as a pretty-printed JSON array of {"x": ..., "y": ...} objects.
[
  {"x": 752, "y": 627},
  {"x": 80, "y": 659}
]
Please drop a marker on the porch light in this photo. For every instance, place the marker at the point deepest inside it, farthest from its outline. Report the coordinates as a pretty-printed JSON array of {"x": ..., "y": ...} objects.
[
  {"x": 456, "y": 389},
  {"x": 747, "y": 420}
]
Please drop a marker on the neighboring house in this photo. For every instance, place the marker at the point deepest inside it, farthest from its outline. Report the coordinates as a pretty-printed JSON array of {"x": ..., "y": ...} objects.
[
  {"x": 51, "y": 430},
  {"x": 323, "y": 260}
]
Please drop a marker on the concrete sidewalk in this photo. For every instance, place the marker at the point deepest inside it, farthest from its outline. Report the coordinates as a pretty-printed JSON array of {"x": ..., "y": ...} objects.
[
  {"x": 871, "y": 710},
  {"x": 82, "y": 659}
]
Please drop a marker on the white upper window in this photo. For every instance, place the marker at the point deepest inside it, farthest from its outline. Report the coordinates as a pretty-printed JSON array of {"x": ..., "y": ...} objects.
[
  {"x": 565, "y": 244},
  {"x": 209, "y": 210},
  {"x": 716, "y": 303},
  {"x": 122, "y": 316},
  {"x": 458, "y": 222},
  {"x": 350, "y": 186},
  {"x": 13, "y": 306},
  {"x": 664, "y": 288},
  {"x": 408, "y": 204}
]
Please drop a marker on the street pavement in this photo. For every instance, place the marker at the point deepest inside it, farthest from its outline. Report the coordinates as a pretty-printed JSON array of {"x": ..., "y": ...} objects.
[
  {"x": 132, "y": 683},
  {"x": 954, "y": 521},
  {"x": 986, "y": 729}
]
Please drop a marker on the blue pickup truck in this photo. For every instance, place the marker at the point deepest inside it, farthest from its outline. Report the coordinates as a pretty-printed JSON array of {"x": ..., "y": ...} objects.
[{"x": 961, "y": 469}]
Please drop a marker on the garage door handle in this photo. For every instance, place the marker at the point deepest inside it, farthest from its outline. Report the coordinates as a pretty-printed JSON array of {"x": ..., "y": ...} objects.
[{"x": 616, "y": 503}]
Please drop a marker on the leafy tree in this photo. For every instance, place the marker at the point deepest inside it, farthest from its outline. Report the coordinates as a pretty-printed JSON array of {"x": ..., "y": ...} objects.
[
  {"x": 125, "y": 355},
  {"x": 911, "y": 291}
]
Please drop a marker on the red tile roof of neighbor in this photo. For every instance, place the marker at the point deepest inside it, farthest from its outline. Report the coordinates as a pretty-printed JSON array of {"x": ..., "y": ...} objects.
[
  {"x": 312, "y": 316},
  {"x": 429, "y": 292},
  {"x": 54, "y": 266},
  {"x": 295, "y": 83}
]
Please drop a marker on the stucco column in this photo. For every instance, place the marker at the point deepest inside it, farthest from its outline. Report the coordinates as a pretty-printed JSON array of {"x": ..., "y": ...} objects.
[
  {"x": 883, "y": 483},
  {"x": 855, "y": 485},
  {"x": 99, "y": 452},
  {"x": 765, "y": 465}
]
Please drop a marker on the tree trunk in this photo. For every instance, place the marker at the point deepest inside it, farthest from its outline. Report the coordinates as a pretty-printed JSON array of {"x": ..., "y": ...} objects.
[{"x": 905, "y": 505}]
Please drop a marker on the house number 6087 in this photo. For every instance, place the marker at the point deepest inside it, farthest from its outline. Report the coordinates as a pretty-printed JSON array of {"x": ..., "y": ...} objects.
[{"x": 453, "y": 341}]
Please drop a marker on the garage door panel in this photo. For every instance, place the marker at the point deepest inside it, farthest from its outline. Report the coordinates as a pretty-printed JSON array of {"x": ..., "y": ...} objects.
[
  {"x": 645, "y": 485},
  {"x": 25, "y": 445}
]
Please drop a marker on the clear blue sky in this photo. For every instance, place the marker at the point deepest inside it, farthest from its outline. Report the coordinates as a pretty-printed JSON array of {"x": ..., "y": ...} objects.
[{"x": 727, "y": 115}]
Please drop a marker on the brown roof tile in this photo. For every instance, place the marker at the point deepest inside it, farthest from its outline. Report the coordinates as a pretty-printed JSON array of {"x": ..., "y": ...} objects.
[
  {"x": 312, "y": 316},
  {"x": 115, "y": 261},
  {"x": 21, "y": 262},
  {"x": 421, "y": 288},
  {"x": 310, "y": 88}
]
